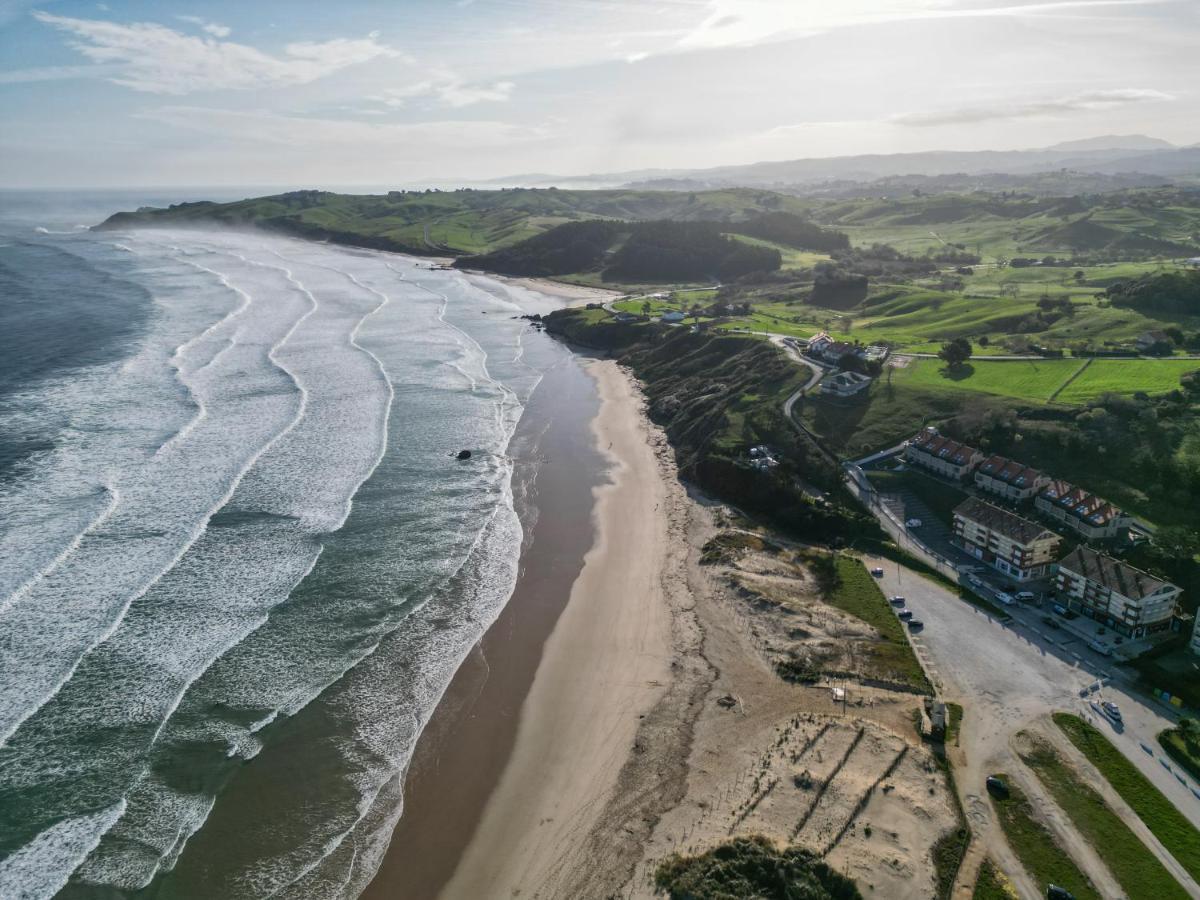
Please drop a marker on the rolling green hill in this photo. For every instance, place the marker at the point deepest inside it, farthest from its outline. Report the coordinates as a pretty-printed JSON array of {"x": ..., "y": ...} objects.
[{"x": 454, "y": 223}]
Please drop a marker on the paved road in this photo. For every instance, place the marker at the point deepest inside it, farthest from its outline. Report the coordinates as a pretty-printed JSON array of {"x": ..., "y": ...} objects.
[{"x": 1007, "y": 677}]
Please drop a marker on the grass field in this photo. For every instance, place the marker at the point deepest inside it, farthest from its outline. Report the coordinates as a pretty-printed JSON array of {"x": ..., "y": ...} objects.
[
  {"x": 1039, "y": 853},
  {"x": 858, "y": 594},
  {"x": 1126, "y": 376},
  {"x": 1136, "y": 869},
  {"x": 1166, "y": 822},
  {"x": 1034, "y": 380},
  {"x": 992, "y": 885}
]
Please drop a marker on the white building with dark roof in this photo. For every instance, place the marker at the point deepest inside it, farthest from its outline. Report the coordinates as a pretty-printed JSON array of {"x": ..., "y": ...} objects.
[
  {"x": 1115, "y": 594},
  {"x": 1018, "y": 547},
  {"x": 942, "y": 455},
  {"x": 844, "y": 384},
  {"x": 1091, "y": 517},
  {"x": 1008, "y": 479}
]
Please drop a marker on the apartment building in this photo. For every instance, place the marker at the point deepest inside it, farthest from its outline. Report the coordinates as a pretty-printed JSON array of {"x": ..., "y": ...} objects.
[
  {"x": 1116, "y": 594},
  {"x": 1092, "y": 517},
  {"x": 1011, "y": 544},
  {"x": 1011, "y": 480},
  {"x": 942, "y": 455}
]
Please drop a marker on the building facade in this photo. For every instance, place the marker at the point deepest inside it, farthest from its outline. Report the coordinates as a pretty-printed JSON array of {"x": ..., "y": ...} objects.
[
  {"x": 939, "y": 454},
  {"x": 1011, "y": 480},
  {"x": 1196, "y": 635},
  {"x": 1010, "y": 544},
  {"x": 1115, "y": 594},
  {"x": 1091, "y": 517}
]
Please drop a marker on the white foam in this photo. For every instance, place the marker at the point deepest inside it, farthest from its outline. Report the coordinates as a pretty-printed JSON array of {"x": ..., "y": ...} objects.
[{"x": 40, "y": 869}]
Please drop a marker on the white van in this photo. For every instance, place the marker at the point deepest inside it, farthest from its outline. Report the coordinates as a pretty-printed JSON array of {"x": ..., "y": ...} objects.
[{"x": 1025, "y": 597}]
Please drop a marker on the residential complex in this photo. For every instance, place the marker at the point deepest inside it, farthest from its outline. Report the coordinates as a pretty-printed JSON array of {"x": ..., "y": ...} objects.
[
  {"x": 1196, "y": 635},
  {"x": 1008, "y": 479},
  {"x": 1009, "y": 543},
  {"x": 1090, "y": 516},
  {"x": 942, "y": 455},
  {"x": 1115, "y": 594}
]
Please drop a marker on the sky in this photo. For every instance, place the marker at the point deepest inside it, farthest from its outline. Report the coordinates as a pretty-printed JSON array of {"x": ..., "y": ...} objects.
[{"x": 410, "y": 92}]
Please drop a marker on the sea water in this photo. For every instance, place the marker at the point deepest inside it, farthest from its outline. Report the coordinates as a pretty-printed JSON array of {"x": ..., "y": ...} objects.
[{"x": 238, "y": 561}]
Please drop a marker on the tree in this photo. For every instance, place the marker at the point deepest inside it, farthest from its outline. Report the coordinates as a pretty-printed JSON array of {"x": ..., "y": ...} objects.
[
  {"x": 955, "y": 352},
  {"x": 646, "y": 307}
]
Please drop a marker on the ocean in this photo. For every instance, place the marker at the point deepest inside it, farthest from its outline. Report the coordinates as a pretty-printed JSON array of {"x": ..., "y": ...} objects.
[{"x": 239, "y": 562}]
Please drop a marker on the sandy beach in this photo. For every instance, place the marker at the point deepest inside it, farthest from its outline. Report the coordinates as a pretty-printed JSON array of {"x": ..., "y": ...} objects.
[
  {"x": 605, "y": 666},
  {"x": 627, "y": 708}
]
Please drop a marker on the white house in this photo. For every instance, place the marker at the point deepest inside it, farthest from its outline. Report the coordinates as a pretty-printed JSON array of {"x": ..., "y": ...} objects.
[
  {"x": 845, "y": 384},
  {"x": 1116, "y": 594}
]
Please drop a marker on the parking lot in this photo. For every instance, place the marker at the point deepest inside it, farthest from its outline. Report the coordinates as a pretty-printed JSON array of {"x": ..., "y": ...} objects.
[{"x": 1008, "y": 674}]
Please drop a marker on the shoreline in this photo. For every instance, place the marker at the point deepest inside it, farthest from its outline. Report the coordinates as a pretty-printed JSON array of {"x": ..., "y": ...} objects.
[
  {"x": 606, "y": 667},
  {"x": 521, "y": 776},
  {"x": 465, "y": 745}
]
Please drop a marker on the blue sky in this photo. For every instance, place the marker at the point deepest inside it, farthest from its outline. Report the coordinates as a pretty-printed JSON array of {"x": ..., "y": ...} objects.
[{"x": 378, "y": 93}]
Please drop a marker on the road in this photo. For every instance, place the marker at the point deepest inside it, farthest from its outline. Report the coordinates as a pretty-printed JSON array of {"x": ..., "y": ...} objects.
[{"x": 1008, "y": 678}]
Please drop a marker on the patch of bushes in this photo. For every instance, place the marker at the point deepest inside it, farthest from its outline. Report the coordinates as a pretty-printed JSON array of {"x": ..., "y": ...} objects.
[{"x": 753, "y": 869}]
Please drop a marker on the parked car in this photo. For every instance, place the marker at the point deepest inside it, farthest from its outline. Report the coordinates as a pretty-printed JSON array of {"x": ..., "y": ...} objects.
[
  {"x": 1054, "y": 892},
  {"x": 1025, "y": 597},
  {"x": 897, "y": 601},
  {"x": 913, "y": 523},
  {"x": 996, "y": 786},
  {"x": 1112, "y": 710},
  {"x": 877, "y": 572},
  {"x": 904, "y": 613},
  {"x": 1004, "y": 598},
  {"x": 1050, "y": 622},
  {"x": 1060, "y": 609},
  {"x": 915, "y": 624},
  {"x": 974, "y": 580}
]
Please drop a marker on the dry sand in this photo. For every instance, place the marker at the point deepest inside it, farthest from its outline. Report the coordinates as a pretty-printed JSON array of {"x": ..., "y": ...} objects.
[
  {"x": 604, "y": 668},
  {"x": 570, "y": 294}
]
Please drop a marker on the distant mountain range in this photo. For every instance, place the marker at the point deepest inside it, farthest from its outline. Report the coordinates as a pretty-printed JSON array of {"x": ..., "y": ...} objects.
[{"x": 1105, "y": 155}]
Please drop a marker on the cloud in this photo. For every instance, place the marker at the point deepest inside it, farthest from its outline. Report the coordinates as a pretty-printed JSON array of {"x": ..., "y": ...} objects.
[
  {"x": 732, "y": 23},
  {"x": 221, "y": 31},
  {"x": 155, "y": 59},
  {"x": 48, "y": 73},
  {"x": 265, "y": 127},
  {"x": 1055, "y": 106},
  {"x": 447, "y": 89}
]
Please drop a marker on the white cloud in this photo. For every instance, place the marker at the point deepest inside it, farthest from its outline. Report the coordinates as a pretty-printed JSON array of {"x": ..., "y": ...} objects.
[
  {"x": 156, "y": 59},
  {"x": 213, "y": 28},
  {"x": 1053, "y": 106},
  {"x": 447, "y": 89},
  {"x": 265, "y": 127},
  {"x": 731, "y": 23},
  {"x": 47, "y": 73}
]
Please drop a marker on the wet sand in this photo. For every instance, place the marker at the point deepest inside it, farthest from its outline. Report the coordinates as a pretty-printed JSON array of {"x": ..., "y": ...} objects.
[{"x": 466, "y": 745}]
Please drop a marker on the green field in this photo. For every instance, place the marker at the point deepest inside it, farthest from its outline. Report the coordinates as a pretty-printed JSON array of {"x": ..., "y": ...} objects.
[
  {"x": 1175, "y": 832},
  {"x": 1034, "y": 380},
  {"x": 991, "y": 884},
  {"x": 1040, "y": 854},
  {"x": 1136, "y": 869},
  {"x": 1126, "y": 376}
]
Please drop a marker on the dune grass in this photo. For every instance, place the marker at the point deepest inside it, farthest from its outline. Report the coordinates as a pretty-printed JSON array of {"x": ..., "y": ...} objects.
[
  {"x": 1136, "y": 869},
  {"x": 992, "y": 885},
  {"x": 1167, "y": 824},
  {"x": 1040, "y": 854},
  {"x": 856, "y": 592}
]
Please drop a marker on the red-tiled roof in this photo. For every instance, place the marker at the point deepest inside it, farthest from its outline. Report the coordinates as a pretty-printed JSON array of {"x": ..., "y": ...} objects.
[
  {"x": 1080, "y": 503},
  {"x": 1009, "y": 471},
  {"x": 943, "y": 447}
]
